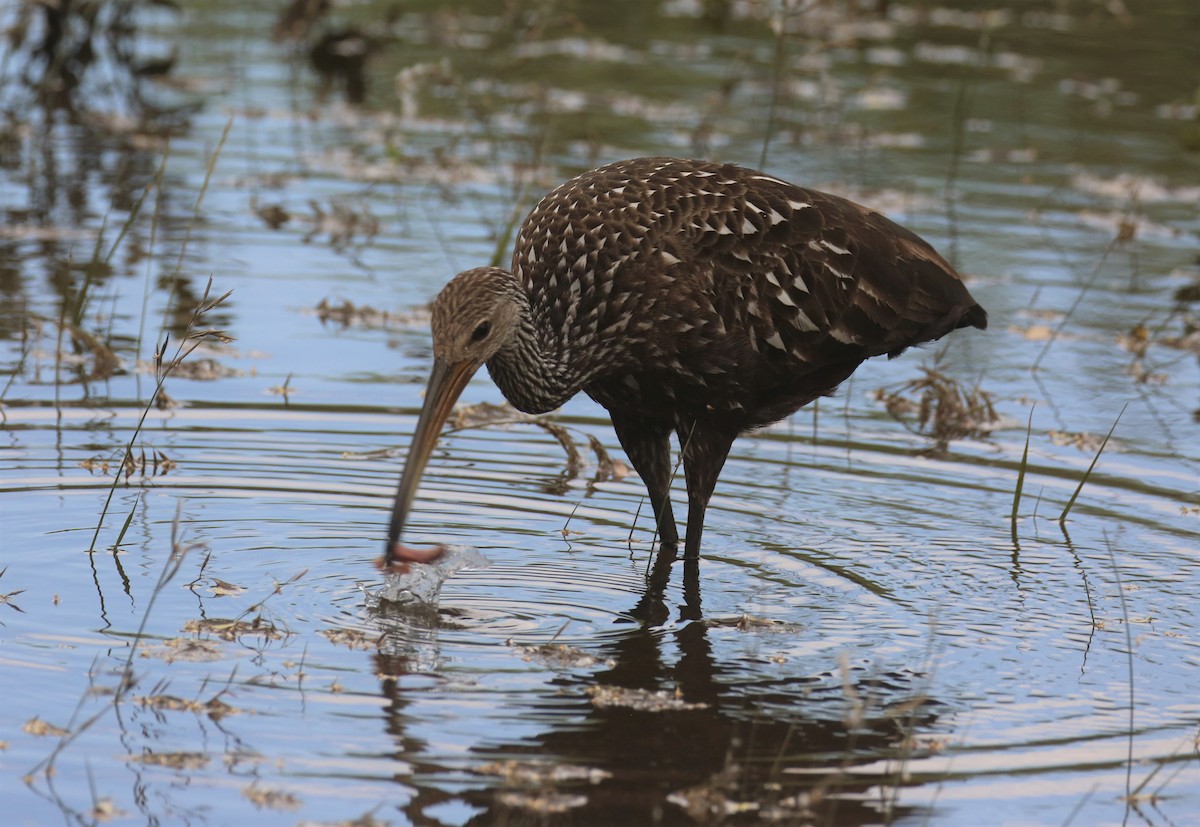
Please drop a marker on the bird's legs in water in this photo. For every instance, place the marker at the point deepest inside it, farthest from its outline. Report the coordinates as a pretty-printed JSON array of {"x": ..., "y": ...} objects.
[
  {"x": 649, "y": 449},
  {"x": 704, "y": 445},
  {"x": 651, "y": 608}
]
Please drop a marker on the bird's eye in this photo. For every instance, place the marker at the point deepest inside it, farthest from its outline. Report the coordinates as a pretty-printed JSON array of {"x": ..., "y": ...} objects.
[{"x": 481, "y": 331}]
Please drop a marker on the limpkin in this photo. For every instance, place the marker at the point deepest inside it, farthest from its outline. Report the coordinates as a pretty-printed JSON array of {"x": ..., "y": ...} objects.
[{"x": 684, "y": 296}]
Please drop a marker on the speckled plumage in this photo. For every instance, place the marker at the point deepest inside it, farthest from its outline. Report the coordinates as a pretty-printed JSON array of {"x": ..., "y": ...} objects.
[{"x": 701, "y": 298}]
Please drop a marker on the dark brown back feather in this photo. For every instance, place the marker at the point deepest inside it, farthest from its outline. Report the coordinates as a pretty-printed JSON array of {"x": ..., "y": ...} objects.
[{"x": 729, "y": 280}]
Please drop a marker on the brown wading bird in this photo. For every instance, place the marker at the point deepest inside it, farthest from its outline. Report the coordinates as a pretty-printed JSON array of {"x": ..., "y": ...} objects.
[{"x": 691, "y": 297}]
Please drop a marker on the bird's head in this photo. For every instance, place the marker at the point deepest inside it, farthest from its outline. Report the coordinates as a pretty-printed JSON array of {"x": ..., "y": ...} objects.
[{"x": 473, "y": 317}]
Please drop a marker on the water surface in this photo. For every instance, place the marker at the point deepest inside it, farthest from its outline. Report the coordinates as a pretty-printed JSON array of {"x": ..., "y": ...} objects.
[{"x": 871, "y": 641}]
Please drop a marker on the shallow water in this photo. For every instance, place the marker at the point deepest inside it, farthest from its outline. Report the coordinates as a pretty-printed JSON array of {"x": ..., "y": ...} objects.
[{"x": 868, "y": 643}]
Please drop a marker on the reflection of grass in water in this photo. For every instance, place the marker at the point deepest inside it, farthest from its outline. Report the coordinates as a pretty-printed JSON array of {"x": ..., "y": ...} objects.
[
  {"x": 70, "y": 55},
  {"x": 253, "y": 622},
  {"x": 1112, "y": 556},
  {"x": 127, "y": 681},
  {"x": 1133, "y": 795},
  {"x": 74, "y": 308}
]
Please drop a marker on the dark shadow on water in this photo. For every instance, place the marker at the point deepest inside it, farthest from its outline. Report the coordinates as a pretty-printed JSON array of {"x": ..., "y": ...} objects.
[{"x": 720, "y": 748}]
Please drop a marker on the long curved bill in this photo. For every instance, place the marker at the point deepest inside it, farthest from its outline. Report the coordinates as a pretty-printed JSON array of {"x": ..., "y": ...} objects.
[{"x": 446, "y": 382}]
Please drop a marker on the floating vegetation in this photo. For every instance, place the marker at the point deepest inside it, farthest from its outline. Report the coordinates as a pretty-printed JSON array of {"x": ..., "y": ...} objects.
[
  {"x": 941, "y": 408},
  {"x": 184, "y": 649},
  {"x": 6, "y": 598},
  {"x": 189, "y": 761},
  {"x": 268, "y": 799},
  {"x": 105, "y": 809},
  {"x": 561, "y": 656},
  {"x": 38, "y": 727},
  {"x": 221, "y": 588},
  {"x": 753, "y": 623},
  {"x": 347, "y": 314},
  {"x": 548, "y": 803},
  {"x": 352, "y": 638},
  {"x": 1135, "y": 341},
  {"x": 204, "y": 370},
  {"x": 1145, "y": 376},
  {"x": 343, "y": 225},
  {"x": 214, "y": 707},
  {"x": 712, "y": 801},
  {"x": 229, "y": 629},
  {"x": 540, "y": 773},
  {"x": 156, "y": 464},
  {"x": 642, "y": 700},
  {"x": 1076, "y": 439}
]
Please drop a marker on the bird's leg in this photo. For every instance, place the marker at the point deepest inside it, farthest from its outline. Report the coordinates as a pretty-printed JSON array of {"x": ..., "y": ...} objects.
[
  {"x": 649, "y": 449},
  {"x": 651, "y": 609},
  {"x": 704, "y": 446}
]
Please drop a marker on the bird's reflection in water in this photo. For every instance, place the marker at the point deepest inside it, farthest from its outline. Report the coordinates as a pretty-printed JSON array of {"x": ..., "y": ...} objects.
[{"x": 723, "y": 747}]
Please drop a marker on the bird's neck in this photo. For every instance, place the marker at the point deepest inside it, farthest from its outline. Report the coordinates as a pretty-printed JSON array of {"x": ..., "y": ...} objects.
[{"x": 533, "y": 374}]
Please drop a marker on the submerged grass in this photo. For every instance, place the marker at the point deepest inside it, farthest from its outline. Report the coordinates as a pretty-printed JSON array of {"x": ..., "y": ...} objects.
[{"x": 126, "y": 677}]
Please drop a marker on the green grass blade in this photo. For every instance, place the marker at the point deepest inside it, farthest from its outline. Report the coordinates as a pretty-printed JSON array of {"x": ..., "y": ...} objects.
[
  {"x": 1067, "y": 510},
  {"x": 1021, "y": 476}
]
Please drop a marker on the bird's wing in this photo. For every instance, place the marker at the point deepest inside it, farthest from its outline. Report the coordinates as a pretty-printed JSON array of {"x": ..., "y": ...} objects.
[{"x": 814, "y": 277}]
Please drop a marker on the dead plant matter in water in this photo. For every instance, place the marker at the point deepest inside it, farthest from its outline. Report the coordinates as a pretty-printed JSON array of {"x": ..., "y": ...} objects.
[
  {"x": 1076, "y": 439},
  {"x": 348, "y": 314},
  {"x": 539, "y": 773},
  {"x": 541, "y": 803},
  {"x": 214, "y": 707},
  {"x": 561, "y": 656},
  {"x": 265, "y": 798},
  {"x": 485, "y": 414},
  {"x": 232, "y": 629},
  {"x": 352, "y": 638},
  {"x": 940, "y": 407},
  {"x": 713, "y": 801},
  {"x": 154, "y": 464},
  {"x": 190, "y": 761},
  {"x": 6, "y": 598},
  {"x": 643, "y": 700}
]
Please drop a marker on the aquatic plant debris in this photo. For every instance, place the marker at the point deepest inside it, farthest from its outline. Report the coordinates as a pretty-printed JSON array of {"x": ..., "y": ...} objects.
[
  {"x": 561, "y": 656},
  {"x": 421, "y": 582},
  {"x": 541, "y": 772},
  {"x": 643, "y": 700}
]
